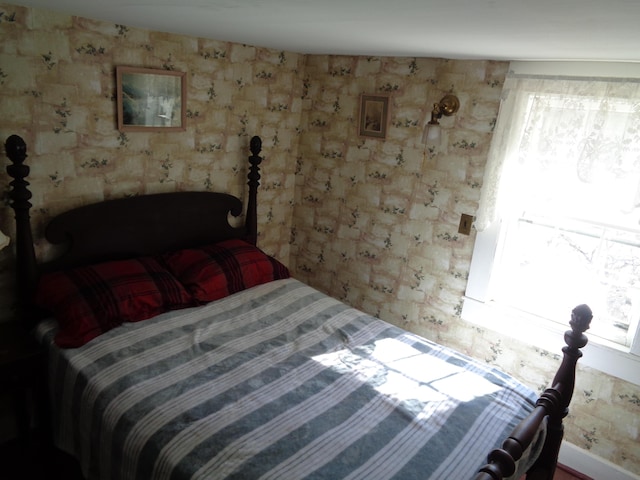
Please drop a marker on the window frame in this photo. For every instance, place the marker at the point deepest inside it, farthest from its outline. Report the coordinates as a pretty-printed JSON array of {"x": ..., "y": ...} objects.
[
  {"x": 545, "y": 334},
  {"x": 478, "y": 308}
]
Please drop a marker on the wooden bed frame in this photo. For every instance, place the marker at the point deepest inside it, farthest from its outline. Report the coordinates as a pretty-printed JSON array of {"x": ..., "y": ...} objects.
[{"x": 139, "y": 225}]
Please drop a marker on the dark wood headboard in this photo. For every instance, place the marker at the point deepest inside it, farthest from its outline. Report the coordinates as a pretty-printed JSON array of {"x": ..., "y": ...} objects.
[{"x": 125, "y": 227}]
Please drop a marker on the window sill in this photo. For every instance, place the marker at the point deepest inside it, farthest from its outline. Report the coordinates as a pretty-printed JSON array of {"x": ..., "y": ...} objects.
[{"x": 604, "y": 358}]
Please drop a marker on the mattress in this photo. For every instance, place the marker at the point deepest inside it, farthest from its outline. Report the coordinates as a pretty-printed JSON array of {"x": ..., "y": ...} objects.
[{"x": 276, "y": 382}]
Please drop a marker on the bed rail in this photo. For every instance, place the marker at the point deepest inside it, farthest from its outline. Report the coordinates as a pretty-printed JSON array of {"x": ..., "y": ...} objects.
[{"x": 553, "y": 404}]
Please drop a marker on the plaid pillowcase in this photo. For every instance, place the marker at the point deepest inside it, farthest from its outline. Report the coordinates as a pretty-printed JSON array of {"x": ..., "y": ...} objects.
[
  {"x": 215, "y": 271},
  {"x": 89, "y": 301}
]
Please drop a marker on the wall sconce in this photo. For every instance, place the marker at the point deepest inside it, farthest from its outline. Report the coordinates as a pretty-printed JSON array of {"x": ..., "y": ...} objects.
[{"x": 447, "y": 107}]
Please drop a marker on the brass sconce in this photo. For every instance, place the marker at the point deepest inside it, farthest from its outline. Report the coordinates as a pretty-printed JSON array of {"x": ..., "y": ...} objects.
[{"x": 447, "y": 107}]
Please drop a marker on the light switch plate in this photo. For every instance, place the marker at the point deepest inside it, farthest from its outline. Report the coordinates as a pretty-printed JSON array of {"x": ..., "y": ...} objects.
[{"x": 465, "y": 224}]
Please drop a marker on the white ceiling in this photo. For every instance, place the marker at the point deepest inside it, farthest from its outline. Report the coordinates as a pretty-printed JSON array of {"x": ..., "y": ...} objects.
[{"x": 601, "y": 30}]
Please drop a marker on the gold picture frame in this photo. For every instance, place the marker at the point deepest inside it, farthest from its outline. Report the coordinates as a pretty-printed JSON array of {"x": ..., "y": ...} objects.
[
  {"x": 373, "y": 120},
  {"x": 150, "y": 100}
]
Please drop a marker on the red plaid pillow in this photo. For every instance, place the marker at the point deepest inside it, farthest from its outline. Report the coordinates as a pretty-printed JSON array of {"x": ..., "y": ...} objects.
[
  {"x": 218, "y": 270},
  {"x": 89, "y": 301}
]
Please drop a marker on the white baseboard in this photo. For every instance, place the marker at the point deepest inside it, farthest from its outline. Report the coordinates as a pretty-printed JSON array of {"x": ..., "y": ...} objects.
[{"x": 595, "y": 467}]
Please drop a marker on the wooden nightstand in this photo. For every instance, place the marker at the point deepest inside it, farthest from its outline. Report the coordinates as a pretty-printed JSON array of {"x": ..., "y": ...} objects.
[{"x": 22, "y": 377}]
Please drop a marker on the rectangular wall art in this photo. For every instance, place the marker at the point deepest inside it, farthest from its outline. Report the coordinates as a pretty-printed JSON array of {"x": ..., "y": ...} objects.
[
  {"x": 374, "y": 116},
  {"x": 150, "y": 99}
]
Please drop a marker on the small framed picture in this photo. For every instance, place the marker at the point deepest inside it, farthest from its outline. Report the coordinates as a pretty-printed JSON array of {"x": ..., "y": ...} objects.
[
  {"x": 150, "y": 99},
  {"x": 374, "y": 116}
]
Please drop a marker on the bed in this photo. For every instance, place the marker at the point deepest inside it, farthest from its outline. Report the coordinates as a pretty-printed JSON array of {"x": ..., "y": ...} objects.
[{"x": 177, "y": 349}]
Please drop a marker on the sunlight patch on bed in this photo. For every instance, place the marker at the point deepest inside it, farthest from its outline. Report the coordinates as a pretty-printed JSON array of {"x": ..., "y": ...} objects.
[{"x": 402, "y": 372}]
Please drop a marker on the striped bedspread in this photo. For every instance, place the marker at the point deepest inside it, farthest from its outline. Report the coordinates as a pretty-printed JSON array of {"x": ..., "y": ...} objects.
[{"x": 276, "y": 382}]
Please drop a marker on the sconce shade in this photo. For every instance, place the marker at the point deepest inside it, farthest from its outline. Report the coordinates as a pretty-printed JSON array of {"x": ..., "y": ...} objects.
[
  {"x": 431, "y": 133},
  {"x": 4, "y": 240}
]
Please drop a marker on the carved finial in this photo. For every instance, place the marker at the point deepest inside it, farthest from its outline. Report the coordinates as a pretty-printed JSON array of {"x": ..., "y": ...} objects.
[
  {"x": 19, "y": 195},
  {"x": 16, "y": 149},
  {"x": 255, "y": 159},
  {"x": 581, "y": 318},
  {"x": 255, "y": 145},
  {"x": 575, "y": 338}
]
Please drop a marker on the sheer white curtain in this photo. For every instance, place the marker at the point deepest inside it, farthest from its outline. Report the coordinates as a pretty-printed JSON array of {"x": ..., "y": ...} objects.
[{"x": 549, "y": 125}]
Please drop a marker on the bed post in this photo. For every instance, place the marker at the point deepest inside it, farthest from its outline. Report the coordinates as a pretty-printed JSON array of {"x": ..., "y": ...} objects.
[
  {"x": 19, "y": 196},
  {"x": 553, "y": 404},
  {"x": 254, "y": 181},
  {"x": 563, "y": 385}
]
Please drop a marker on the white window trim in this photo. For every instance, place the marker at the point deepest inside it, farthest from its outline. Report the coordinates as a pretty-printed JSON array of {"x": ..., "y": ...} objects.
[
  {"x": 548, "y": 336},
  {"x": 578, "y": 69}
]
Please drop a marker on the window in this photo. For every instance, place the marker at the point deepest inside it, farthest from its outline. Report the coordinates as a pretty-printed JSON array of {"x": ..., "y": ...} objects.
[{"x": 559, "y": 220}]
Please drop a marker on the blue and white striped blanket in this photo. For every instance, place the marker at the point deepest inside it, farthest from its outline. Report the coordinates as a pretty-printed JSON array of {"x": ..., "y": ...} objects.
[{"x": 276, "y": 382}]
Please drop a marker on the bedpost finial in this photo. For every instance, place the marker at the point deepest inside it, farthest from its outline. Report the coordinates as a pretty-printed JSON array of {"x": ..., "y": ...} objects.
[
  {"x": 581, "y": 318},
  {"x": 255, "y": 145},
  {"x": 16, "y": 148}
]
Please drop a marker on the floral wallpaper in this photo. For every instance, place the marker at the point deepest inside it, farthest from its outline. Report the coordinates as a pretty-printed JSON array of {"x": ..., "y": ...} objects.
[
  {"x": 372, "y": 222},
  {"x": 57, "y": 79},
  {"x": 376, "y": 222}
]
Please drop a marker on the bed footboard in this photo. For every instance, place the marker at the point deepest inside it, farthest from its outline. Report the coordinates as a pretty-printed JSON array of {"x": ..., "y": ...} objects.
[{"x": 553, "y": 404}]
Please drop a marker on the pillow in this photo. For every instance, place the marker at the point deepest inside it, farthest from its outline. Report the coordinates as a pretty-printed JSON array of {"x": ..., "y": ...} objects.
[
  {"x": 88, "y": 301},
  {"x": 215, "y": 271}
]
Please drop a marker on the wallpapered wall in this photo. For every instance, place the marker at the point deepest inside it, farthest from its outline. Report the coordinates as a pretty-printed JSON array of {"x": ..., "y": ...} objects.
[
  {"x": 376, "y": 222},
  {"x": 369, "y": 221},
  {"x": 58, "y": 92}
]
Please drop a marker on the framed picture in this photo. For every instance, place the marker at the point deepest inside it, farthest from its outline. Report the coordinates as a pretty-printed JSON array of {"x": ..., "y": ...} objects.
[
  {"x": 150, "y": 99},
  {"x": 374, "y": 116}
]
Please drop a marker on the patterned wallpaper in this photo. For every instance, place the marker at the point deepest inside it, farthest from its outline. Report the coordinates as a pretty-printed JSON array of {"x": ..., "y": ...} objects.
[
  {"x": 376, "y": 222},
  {"x": 57, "y": 75},
  {"x": 372, "y": 222}
]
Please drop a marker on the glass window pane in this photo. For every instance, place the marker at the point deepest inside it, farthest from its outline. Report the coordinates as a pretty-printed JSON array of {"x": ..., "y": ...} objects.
[{"x": 548, "y": 268}]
